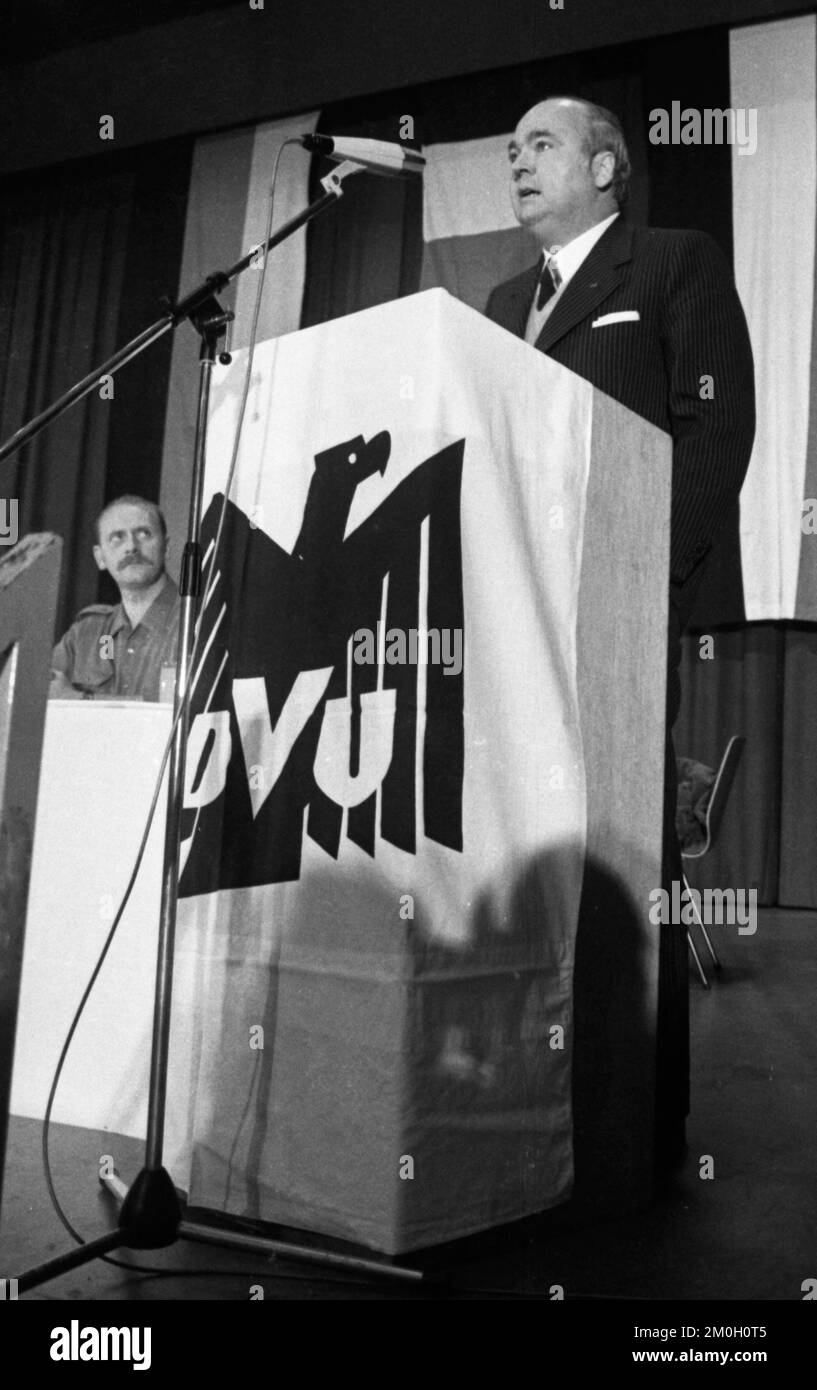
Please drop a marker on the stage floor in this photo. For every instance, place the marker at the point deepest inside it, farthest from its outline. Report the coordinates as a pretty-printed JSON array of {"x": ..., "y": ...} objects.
[{"x": 750, "y": 1233}]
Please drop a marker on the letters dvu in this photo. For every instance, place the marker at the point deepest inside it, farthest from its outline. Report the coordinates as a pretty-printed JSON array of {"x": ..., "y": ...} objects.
[{"x": 289, "y": 736}]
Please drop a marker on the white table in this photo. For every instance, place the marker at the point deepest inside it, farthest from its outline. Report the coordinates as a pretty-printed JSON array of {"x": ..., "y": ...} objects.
[{"x": 99, "y": 765}]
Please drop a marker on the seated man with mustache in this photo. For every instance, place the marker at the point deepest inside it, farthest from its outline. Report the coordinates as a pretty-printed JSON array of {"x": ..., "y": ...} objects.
[{"x": 117, "y": 652}]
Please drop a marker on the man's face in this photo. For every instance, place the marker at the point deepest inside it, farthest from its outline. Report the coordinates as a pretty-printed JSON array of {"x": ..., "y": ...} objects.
[
  {"x": 553, "y": 187},
  {"x": 132, "y": 547}
]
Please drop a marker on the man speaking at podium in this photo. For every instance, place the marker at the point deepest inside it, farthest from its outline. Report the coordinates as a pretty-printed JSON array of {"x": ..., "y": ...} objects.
[
  {"x": 652, "y": 318},
  {"x": 118, "y": 652}
]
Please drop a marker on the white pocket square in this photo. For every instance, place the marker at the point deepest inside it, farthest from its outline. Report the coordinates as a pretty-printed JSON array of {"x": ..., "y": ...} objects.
[{"x": 623, "y": 316}]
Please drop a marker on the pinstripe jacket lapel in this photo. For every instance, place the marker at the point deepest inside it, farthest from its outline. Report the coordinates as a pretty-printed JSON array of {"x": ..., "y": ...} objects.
[{"x": 596, "y": 277}]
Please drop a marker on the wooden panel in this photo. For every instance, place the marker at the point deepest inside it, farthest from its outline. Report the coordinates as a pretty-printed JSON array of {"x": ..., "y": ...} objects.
[{"x": 622, "y": 646}]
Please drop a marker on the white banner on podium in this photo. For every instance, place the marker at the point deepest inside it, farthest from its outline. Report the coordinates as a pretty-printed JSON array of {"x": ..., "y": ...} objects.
[{"x": 385, "y": 807}]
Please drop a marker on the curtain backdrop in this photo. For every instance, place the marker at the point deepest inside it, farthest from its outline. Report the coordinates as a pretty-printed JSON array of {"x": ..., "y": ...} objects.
[
  {"x": 774, "y": 69},
  {"x": 760, "y": 681},
  {"x": 225, "y": 216},
  {"x": 367, "y": 249},
  {"x": 85, "y": 252}
]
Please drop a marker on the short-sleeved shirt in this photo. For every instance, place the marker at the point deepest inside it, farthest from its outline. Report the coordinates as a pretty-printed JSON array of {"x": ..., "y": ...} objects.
[{"x": 102, "y": 655}]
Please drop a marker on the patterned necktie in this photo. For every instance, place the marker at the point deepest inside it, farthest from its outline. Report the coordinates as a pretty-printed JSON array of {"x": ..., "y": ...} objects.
[{"x": 549, "y": 280}]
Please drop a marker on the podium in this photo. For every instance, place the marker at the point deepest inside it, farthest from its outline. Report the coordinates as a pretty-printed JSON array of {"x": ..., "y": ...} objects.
[
  {"x": 395, "y": 855},
  {"x": 416, "y": 983}
]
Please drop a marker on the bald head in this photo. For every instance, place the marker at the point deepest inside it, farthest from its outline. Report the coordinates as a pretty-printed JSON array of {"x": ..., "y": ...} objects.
[{"x": 569, "y": 168}]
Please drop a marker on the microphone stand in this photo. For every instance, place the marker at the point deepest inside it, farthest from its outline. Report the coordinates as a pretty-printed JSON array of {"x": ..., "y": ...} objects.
[{"x": 150, "y": 1216}]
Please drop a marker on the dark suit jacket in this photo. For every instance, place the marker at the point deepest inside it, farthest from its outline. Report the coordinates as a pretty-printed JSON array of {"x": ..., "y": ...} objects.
[{"x": 691, "y": 325}]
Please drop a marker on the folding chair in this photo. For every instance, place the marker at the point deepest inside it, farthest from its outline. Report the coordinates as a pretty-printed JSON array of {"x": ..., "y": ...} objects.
[{"x": 714, "y": 816}]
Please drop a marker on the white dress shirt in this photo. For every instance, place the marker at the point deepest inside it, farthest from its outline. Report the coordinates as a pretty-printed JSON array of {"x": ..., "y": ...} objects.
[{"x": 567, "y": 259}]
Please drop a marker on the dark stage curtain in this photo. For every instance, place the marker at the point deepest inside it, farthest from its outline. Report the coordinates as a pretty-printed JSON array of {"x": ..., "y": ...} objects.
[
  {"x": 798, "y": 768},
  {"x": 85, "y": 252},
  {"x": 760, "y": 682},
  {"x": 368, "y": 250},
  {"x": 732, "y": 682}
]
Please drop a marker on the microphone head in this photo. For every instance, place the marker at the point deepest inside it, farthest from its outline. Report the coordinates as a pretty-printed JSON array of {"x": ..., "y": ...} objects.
[
  {"x": 319, "y": 144},
  {"x": 379, "y": 156},
  {"x": 415, "y": 159}
]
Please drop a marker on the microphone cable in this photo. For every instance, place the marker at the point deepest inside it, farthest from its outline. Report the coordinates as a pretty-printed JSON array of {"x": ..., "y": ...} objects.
[{"x": 194, "y": 672}]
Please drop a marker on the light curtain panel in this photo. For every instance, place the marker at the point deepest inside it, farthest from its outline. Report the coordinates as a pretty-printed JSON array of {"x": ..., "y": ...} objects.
[
  {"x": 774, "y": 193},
  {"x": 471, "y": 238}
]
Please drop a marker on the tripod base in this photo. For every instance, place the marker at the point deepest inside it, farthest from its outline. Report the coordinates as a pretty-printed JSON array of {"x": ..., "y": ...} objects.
[
  {"x": 151, "y": 1213},
  {"x": 82, "y": 1255},
  {"x": 153, "y": 1194},
  {"x": 150, "y": 1209},
  {"x": 263, "y": 1245},
  {"x": 150, "y": 1218}
]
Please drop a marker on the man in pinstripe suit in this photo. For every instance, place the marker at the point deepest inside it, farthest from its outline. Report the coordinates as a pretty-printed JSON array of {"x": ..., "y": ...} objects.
[{"x": 652, "y": 318}]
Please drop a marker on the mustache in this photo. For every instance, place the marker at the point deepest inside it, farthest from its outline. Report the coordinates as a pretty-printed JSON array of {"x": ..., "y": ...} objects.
[{"x": 132, "y": 560}]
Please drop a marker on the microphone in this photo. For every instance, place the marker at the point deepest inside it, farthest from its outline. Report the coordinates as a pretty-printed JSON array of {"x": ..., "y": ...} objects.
[{"x": 379, "y": 156}]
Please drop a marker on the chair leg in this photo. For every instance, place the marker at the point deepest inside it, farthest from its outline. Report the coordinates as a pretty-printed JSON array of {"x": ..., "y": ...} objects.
[
  {"x": 697, "y": 960},
  {"x": 715, "y": 961},
  {"x": 711, "y": 949}
]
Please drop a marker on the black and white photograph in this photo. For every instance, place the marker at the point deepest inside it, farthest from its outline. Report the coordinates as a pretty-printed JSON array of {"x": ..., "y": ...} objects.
[{"x": 408, "y": 670}]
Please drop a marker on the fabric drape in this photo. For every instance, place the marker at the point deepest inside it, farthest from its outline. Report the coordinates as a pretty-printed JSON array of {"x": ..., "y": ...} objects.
[
  {"x": 367, "y": 249},
  {"x": 62, "y": 259},
  {"x": 84, "y": 257}
]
